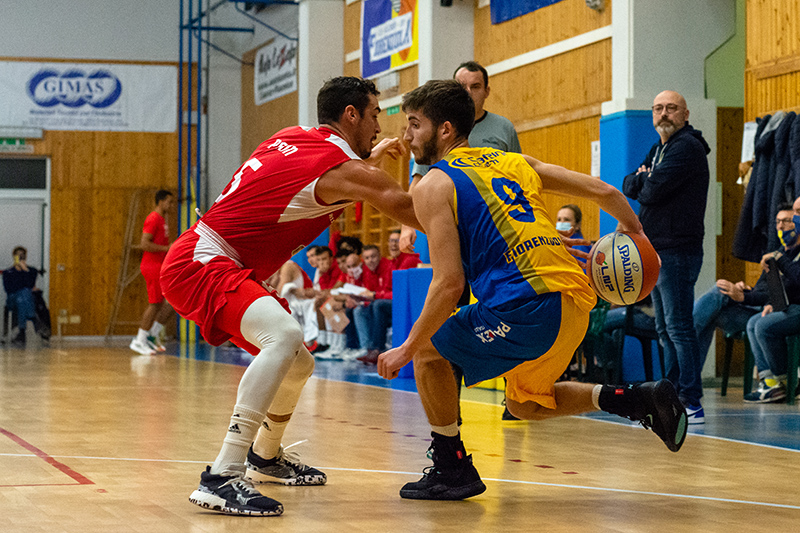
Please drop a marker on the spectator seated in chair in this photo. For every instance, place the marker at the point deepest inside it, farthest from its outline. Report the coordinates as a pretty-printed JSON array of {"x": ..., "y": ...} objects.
[{"x": 19, "y": 282}]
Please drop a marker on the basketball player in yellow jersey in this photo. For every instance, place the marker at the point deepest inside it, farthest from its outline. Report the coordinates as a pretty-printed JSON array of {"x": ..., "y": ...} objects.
[{"x": 482, "y": 211}]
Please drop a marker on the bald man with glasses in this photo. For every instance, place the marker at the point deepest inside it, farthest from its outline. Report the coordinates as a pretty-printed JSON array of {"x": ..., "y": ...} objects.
[{"x": 671, "y": 186}]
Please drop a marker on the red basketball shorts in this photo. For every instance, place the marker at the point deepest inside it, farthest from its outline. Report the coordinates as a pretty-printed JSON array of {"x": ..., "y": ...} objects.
[
  {"x": 214, "y": 295},
  {"x": 152, "y": 273}
]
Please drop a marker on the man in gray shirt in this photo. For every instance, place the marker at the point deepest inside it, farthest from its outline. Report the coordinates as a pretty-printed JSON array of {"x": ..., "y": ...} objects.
[{"x": 490, "y": 130}]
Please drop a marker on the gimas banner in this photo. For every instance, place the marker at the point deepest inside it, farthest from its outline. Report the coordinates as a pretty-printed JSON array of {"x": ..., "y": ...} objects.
[
  {"x": 89, "y": 96},
  {"x": 388, "y": 35}
]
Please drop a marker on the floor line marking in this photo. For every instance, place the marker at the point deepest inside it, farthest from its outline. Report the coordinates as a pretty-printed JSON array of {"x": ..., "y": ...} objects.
[
  {"x": 691, "y": 434},
  {"x": 82, "y": 480},
  {"x": 496, "y": 480}
]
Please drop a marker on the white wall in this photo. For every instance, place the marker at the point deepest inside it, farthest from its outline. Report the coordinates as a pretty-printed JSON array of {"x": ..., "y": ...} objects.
[
  {"x": 141, "y": 30},
  {"x": 225, "y": 75}
]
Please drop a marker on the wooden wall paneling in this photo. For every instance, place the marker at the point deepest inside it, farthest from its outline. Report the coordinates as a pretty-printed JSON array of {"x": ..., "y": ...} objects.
[
  {"x": 93, "y": 175},
  {"x": 554, "y": 85},
  {"x": 353, "y": 68},
  {"x": 65, "y": 216},
  {"x": 773, "y": 30},
  {"x": 768, "y": 95},
  {"x": 730, "y": 126},
  {"x": 772, "y": 75},
  {"x": 496, "y": 42},
  {"x": 409, "y": 78},
  {"x": 352, "y": 27}
]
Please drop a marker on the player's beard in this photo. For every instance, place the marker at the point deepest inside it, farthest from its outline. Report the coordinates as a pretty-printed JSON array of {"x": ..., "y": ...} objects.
[{"x": 430, "y": 153}]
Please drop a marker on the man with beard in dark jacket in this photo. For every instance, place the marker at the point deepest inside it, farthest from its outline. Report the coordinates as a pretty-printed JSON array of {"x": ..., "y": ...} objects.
[{"x": 671, "y": 185}]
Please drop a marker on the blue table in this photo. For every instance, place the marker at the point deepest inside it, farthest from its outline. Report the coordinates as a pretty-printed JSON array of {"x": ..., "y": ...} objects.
[{"x": 409, "y": 289}]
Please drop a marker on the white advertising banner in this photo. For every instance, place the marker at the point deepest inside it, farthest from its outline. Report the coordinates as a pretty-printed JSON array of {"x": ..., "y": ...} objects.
[
  {"x": 275, "y": 70},
  {"x": 89, "y": 96}
]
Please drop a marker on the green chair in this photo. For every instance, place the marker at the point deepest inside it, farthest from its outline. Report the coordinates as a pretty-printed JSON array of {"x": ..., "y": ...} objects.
[
  {"x": 749, "y": 362},
  {"x": 791, "y": 368},
  {"x": 593, "y": 342}
]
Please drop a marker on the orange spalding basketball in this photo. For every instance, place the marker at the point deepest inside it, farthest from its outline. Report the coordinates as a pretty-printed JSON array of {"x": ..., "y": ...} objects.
[{"x": 623, "y": 268}]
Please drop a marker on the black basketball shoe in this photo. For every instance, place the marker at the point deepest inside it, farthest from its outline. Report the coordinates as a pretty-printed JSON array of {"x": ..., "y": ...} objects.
[
  {"x": 655, "y": 405},
  {"x": 450, "y": 478},
  {"x": 231, "y": 493},
  {"x": 284, "y": 469}
]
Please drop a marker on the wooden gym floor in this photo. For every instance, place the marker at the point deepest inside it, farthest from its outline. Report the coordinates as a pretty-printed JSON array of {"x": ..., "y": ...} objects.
[{"x": 98, "y": 439}]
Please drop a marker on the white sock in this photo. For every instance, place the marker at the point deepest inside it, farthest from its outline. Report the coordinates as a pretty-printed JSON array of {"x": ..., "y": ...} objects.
[
  {"x": 596, "y": 396},
  {"x": 268, "y": 440},
  {"x": 142, "y": 336},
  {"x": 155, "y": 331},
  {"x": 241, "y": 432},
  {"x": 448, "y": 431}
]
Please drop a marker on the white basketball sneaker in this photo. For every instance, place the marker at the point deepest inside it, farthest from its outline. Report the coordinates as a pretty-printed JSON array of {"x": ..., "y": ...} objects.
[{"x": 141, "y": 347}]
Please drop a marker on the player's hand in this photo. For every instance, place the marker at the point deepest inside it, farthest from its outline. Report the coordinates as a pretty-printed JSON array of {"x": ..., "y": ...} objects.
[
  {"x": 393, "y": 147},
  {"x": 581, "y": 256},
  {"x": 767, "y": 310},
  {"x": 390, "y": 362},
  {"x": 408, "y": 237}
]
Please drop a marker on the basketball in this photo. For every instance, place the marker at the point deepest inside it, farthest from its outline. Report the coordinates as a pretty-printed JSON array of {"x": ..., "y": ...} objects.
[{"x": 623, "y": 268}]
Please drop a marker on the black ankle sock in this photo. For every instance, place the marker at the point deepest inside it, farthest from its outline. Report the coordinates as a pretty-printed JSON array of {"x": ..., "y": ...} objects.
[
  {"x": 618, "y": 399},
  {"x": 448, "y": 449}
]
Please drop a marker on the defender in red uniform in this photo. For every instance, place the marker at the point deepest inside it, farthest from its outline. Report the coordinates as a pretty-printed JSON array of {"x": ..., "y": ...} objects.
[
  {"x": 155, "y": 243},
  {"x": 289, "y": 190}
]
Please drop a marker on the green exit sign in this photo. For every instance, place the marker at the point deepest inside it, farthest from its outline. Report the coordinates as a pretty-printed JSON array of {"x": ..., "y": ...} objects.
[{"x": 395, "y": 109}]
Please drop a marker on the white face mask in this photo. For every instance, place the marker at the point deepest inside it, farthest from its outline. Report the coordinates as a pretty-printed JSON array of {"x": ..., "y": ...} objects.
[
  {"x": 563, "y": 226},
  {"x": 356, "y": 271}
]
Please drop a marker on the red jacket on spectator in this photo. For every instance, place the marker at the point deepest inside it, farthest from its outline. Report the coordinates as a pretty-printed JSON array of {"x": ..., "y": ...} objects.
[
  {"x": 380, "y": 281},
  {"x": 329, "y": 278}
]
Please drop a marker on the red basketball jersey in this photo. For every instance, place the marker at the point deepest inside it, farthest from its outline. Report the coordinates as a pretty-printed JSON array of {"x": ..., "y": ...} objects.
[
  {"x": 156, "y": 226},
  {"x": 269, "y": 210}
]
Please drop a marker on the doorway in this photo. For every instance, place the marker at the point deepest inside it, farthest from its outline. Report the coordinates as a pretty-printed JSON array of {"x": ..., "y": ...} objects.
[{"x": 25, "y": 214}]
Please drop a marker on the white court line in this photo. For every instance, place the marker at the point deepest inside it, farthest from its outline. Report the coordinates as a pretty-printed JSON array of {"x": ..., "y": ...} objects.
[
  {"x": 395, "y": 472},
  {"x": 690, "y": 434}
]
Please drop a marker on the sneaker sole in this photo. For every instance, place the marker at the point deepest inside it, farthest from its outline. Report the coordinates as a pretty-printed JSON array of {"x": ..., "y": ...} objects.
[
  {"x": 665, "y": 393},
  {"x": 257, "y": 477},
  {"x": 215, "y": 503},
  {"x": 142, "y": 352},
  {"x": 458, "y": 493},
  {"x": 774, "y": 399}
]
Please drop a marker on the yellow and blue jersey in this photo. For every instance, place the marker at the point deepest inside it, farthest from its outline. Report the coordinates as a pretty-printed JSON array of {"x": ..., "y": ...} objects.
[{"x": 510, "y": 249}]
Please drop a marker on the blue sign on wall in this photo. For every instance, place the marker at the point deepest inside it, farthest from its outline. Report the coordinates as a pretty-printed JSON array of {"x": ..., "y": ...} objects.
[{"x": 503, "y": 10}]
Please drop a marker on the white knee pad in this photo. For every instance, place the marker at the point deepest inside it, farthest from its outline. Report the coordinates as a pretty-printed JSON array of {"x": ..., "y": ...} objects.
[{"x": 266, "y": 324}]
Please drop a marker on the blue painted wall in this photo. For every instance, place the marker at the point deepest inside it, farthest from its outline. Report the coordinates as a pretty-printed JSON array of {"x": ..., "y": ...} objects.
[
  {"x": 300, "y": 257},
  {"x": 625, "y": 139}
]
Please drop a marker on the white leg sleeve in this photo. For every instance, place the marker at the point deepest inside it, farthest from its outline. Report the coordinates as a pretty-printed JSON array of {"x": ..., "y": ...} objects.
[{"x": 267, "y": 325}]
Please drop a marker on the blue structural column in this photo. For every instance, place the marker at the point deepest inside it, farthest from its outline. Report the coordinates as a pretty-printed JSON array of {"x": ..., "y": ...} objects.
[{"x": 625, "y": 139}]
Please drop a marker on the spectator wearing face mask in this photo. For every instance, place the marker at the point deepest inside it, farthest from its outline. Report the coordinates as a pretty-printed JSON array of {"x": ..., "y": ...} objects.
[{"x": 569, "y": 220}]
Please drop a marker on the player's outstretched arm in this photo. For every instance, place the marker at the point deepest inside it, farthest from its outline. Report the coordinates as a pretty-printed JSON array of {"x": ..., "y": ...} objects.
[
  {"x": 432, "y": 202},
  {"x": 559, "y": 179},
  {"x": 355, "y": 181}
]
